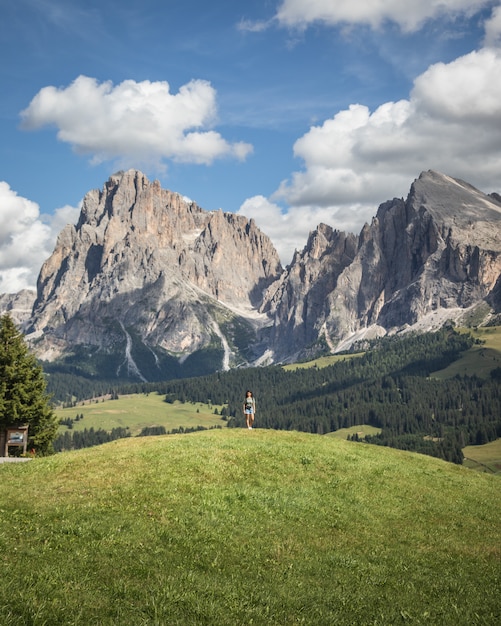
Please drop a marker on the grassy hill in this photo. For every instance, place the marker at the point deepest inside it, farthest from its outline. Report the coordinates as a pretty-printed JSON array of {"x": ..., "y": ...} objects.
[{"x": 238, "y": 527}]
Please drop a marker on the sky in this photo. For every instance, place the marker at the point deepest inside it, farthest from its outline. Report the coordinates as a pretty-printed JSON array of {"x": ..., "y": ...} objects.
[{"x": 290, "y": 112}]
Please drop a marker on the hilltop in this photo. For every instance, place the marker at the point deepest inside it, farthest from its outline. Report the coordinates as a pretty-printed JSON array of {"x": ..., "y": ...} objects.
[{"x": 237, "y": 527}]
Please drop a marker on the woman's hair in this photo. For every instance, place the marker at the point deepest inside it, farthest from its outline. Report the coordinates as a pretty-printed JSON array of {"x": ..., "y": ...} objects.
[{"x": 248, "y": 391}]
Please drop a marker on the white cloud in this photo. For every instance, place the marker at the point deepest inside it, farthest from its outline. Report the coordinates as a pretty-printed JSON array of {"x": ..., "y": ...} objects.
[
  {"x": 134, "y": 122},
  {"x": 493, "y": 29},
  {"x": 358, "y": 159},
  {"x": 253, "y": 26},
  {"x": 410, "y": 16},
  {"x": 25, "y": 239}
]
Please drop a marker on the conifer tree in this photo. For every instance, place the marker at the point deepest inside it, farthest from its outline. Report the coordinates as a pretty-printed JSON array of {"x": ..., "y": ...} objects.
[{"x": 23, "y": 397}]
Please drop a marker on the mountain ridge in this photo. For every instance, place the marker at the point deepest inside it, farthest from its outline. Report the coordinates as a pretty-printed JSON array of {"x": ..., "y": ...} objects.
[
  {"x": 149, "y": 281},
  {"x": 438, "y": 251}
]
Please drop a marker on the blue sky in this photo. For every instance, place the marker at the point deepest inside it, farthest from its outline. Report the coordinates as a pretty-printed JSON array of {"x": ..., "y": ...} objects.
[{"x": 293, "y": 112}]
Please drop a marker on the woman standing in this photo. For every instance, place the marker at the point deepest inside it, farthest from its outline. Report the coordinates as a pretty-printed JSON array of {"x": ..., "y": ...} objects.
[{"x": 249, "y": 409}]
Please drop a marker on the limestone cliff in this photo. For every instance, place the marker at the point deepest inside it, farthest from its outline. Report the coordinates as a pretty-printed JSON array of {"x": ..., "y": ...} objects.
[
  {"x": 18, "y": 305},
  {"x": 433, "y": 257},
  {"x": 146, "y": 271}
]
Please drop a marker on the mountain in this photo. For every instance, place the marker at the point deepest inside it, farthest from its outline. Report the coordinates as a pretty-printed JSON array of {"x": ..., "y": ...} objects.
[
  {"x": 433, "y": 257},
  {"x": 148, "y": 285},
  {"x": 147, "y": 279},
  {"x": 18, "y": 305}
]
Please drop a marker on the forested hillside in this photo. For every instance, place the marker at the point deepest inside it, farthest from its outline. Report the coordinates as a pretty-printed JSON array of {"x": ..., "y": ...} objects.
[{"x": 388, "y": 387}]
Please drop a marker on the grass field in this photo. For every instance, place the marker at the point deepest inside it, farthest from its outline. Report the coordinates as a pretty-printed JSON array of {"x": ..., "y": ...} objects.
[
  {"x": 140, "y": 410},
  {"x": 361, "y": 430},
  {"x": 481, "y": 359},
  {"x": 322, "y": 361},
  {"x": 486, "y": 458},
  {"x": 233, "y": 527}
]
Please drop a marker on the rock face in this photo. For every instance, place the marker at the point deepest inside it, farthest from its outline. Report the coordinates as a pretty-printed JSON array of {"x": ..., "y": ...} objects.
[
  {"x": 18, "y": 305},
  {"x": 299, "y": 302},
  {"x": 148, "y": 285},
  {"x": 433, "y": 257},
  {"x": 146, "y": 272}
]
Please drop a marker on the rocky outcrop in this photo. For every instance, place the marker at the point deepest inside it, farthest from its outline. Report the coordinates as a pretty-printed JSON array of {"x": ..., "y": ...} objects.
[
  {"x": 299, "y": 301},
  {"x": 144, "y": 263},
  {"x": 421, "y": 261},
  {"x": 18, "y": 305}
]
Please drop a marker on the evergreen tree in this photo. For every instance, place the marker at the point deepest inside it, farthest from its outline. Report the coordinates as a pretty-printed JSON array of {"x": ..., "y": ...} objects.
[{"x": 23, "y": 397}]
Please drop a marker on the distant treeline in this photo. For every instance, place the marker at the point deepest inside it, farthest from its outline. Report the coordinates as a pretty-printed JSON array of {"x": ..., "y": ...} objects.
[
  {"x": 69, "y": 389},
  {"x": 388, "y": 387},
  {"x": 75, "y": 440},
  {"x": 149, "y": 431},
  {"x": 90, "y": 437}
]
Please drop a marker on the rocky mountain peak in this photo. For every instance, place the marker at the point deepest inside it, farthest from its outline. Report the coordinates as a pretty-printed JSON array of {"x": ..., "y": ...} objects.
[
  {"x": 455, "y": 204},
  {"x": 140, "y": 255},
  {"x": 431, "y": 257},
  {"x": 149, "y": 285}
]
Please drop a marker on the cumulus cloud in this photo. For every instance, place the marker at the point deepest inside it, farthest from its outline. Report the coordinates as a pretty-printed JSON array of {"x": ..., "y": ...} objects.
[
  {"x": 359, "y": 159},
  {"x": 134, "y": 122},
  {"x": 410, "y": 16},
  {"x": 286, "y": 232},
  {"x": 26, "y": 239},
  {"x": 493, "y": 29}
]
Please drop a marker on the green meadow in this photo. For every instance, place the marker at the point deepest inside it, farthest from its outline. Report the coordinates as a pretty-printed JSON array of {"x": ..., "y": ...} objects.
[
  {"x": 480, "y": 359},
  {"x": 137, "y": 411},
  {"x": 486, "y": 458},
  {"x": 233, "y": 527},
  {"x": 322, "y": 361},
  {"x": 362, "y": 430}
]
